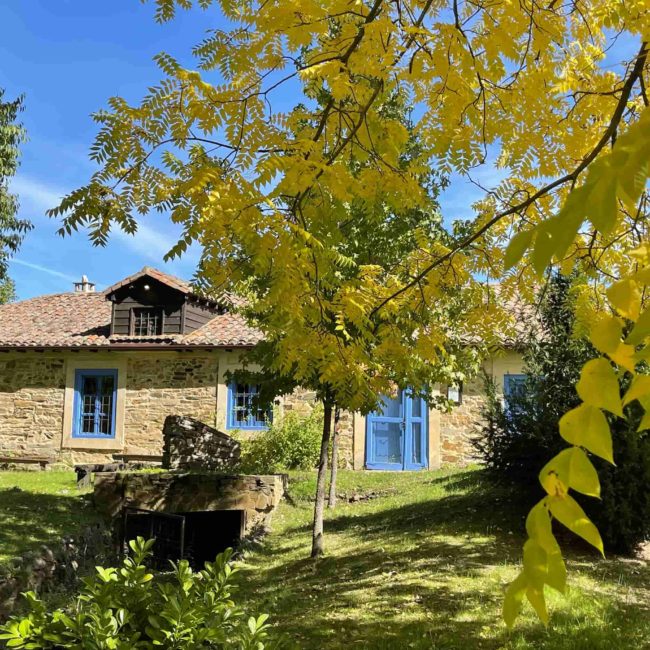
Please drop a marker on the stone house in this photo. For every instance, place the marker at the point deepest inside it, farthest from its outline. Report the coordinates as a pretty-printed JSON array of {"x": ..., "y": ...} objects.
[{"x": 86, "y": 375}]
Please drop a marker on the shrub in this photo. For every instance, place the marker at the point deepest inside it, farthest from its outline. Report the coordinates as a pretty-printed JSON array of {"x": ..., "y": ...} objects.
[
  {"x": 132, "y": 608},
  {"x": 292, "y": 442},
  {"x": 518, "y": 440}
]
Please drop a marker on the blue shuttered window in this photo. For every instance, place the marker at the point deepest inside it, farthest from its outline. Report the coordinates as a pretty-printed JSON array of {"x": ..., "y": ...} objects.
[
  {"x": 244, "y": 411},
  {"x": 95, "y": 403}
]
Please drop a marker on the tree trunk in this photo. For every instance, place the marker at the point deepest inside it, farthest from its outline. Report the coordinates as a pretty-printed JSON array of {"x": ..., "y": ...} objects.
[
  {"x": 331, "y": 501},
  {"x": 317, "y": 548}
]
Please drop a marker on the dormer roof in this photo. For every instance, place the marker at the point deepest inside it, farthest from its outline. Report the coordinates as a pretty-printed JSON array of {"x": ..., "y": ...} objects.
[{"x": 83, "y": 320}]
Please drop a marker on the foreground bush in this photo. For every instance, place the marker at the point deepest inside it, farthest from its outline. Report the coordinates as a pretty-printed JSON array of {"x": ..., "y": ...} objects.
[
  {"x": 522, "y": 436},
  {"x": 292, "y": 442},
  {"x": 129, "y": 608}
]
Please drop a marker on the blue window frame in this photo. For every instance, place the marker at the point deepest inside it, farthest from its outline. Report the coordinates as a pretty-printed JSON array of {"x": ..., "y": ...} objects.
[
  {"x": 95, "y": 404},
  {"x": 513, "y": 386},
  {"x": 243, "y": 410},
  {"x": 396, "y": 435}
]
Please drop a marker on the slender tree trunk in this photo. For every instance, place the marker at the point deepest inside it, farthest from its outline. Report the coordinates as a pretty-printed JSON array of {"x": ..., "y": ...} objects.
[
  {"x": 317, "y": 547},
  {"x": 331, "y": 501}
]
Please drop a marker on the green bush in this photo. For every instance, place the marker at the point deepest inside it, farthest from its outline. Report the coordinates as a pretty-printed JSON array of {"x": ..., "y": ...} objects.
[
  {"x": 292, "y": 442},
  {"x": 132, "y": 608},
  {"x": 520, "y": 439}
]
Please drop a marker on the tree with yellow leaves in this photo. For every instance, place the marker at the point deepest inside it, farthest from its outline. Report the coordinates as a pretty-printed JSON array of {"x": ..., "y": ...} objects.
[{"x": 554, "y": 94}]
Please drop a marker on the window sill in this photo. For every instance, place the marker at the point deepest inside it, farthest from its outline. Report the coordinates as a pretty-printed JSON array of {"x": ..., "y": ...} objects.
[{"x": 93, "y": 444}]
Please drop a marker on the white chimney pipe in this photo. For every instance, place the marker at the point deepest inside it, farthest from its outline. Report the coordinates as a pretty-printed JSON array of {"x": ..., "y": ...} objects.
[{"x": 84, "y": 286}]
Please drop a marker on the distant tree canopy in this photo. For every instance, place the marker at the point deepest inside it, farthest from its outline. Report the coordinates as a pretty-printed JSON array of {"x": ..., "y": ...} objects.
[
  {"x": 7, "y": 291},
  {"x": 12, "y": 229}
]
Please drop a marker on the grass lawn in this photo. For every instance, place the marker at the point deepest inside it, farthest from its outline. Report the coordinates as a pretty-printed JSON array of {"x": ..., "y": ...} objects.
[
  {"x": 39, "y": 508},
  {"x": 424, "y": 565}
]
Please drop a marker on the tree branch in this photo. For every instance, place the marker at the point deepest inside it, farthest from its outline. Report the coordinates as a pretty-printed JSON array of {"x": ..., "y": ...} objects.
[{"x": 635, "y": 74}]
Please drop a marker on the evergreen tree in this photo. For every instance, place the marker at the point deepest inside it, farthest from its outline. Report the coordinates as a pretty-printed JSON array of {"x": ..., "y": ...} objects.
[
  {"x": 12, "y": 229},
  {"x": 522, "y": 436}
]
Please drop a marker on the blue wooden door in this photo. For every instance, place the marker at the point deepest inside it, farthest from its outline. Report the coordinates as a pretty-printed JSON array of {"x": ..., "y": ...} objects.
[{"x": 396, "y": 435}]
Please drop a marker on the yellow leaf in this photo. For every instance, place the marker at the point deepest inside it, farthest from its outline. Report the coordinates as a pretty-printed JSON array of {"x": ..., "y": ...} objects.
[
  {"x": 640, "y": 330},
  {"x": 587, "y": 426},
  {"x": 606, "y": 333},
  {"x": 517, "y": 247},
  {"x": 574, "y": 470},
  {"x": 570, "y": 514},
  {"x": 624, "y": 356},
  {"x": 640, "y": 387},
  {"x": 626, "y": 298},
  {"x": 645, "y": 422},
  {"x": 513, "y": 599},
  {"x": 598, "y": 385},
  {"x": 538, "y": 527},
  {"x": 536, "y": 599},
  {"x": 556, "y": 576},
  {"x": 543, "y": 250},
  {"x": 535, "y": 565}
]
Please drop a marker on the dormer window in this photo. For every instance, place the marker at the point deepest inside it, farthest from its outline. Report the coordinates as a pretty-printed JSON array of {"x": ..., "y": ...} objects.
[
  {"x": 146, "y": 321},
  {"x": 151, "y": 303}
]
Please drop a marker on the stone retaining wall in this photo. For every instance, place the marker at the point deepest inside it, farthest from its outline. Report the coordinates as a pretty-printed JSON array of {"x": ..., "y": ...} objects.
[{"x": 257, "y": 496}]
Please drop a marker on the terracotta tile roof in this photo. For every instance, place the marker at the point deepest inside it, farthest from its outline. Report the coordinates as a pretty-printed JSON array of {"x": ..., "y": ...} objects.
[{"x": 82, "y": 320}]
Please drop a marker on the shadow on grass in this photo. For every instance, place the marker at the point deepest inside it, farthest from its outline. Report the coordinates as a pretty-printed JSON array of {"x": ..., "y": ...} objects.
[
  {"x": 429, "y": 573},
  {"x": 29, "y": 519}
]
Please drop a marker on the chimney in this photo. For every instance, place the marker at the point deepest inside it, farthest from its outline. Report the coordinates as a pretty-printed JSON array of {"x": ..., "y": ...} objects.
[{"x": 84, "y": 286}]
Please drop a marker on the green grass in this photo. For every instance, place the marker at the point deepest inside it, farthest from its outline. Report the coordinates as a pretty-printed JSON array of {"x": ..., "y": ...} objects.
[
  {"x": 40, "y": 508},
  {"x": 424, "y": 565}
]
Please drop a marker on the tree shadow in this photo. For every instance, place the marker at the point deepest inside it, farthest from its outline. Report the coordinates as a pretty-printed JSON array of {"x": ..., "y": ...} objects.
[
  {"x": 30, "y": 519},
  {"x": 430, "y": 574}
]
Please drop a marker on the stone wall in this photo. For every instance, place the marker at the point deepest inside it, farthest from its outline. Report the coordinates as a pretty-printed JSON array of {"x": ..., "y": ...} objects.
[
  {"x": 257, "y": 496},
  {"x": 31, "y": 404},
  {"x": 461, "y": 425},
  {"x": 32, "y": 401},
  {"x": 162, "y": 385},
  {"x": 193, "y": 445}
]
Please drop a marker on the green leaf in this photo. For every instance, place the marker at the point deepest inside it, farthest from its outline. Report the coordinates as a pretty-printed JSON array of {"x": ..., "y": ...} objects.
[
  {"x": 570, "y": 514},
  {"x": 598, "y": 386},
  {"x": 517, "y": 247},
  {"x": 586, "y": 426}
]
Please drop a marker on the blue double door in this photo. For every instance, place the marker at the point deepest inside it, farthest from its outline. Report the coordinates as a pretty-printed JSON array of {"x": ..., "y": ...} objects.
[{"x": 396, "y": 435}]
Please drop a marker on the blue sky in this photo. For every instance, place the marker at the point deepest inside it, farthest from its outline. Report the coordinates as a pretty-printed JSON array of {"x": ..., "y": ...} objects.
[{"x": 68, "y": 57}]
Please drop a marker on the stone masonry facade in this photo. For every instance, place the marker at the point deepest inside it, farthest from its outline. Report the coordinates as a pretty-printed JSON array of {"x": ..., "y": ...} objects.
[
  {"x": 33, "y": 386},
  {"x": 463, "y": 423},
  {"x": 159, "y": 386},
  {"x": 31, "y": 404}
]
